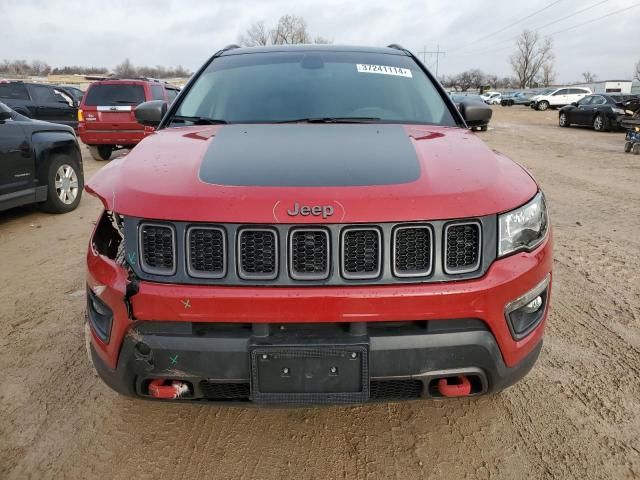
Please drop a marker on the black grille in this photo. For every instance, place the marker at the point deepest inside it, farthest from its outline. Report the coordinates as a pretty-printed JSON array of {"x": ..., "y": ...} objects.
[
  {"x": 309, "y": 254},
  {"x": 224, "y": 391},
  {"x": 395, "y": 389},
  {"x": 462, "y": 247},
  {"x": 157, "y": 243},
  {"x": 412, "y": 251},
  {"x": 258, "y": 254},
  {"x": 206, "y": 252},
  {"x": 361, "y": 253}
]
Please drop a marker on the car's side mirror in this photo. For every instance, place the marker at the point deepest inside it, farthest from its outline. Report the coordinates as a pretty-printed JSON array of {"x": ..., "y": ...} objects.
[
  {"x": 475, "y": 113},
  {"x": 4, "y": 115},
  {"x": 575, "y": 104},
  {"x": 150, "y": 113}
]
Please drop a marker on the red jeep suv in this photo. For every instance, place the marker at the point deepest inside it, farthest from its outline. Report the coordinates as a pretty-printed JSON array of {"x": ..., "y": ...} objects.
[
  {"x": 106, "y": 119},
  {"x": 313, "y": 225}
]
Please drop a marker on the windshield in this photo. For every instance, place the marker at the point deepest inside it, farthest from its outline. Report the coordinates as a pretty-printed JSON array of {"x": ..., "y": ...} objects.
[{"x": 294, "y": 86}]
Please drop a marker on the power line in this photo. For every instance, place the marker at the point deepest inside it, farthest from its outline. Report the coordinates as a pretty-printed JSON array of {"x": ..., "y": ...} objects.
[
  {"x": 437, "y": 53},
  {"x": 516, "y": 22},
  {"x": 557, "y": 32},
  {"x": 519, "y": 21},
  {"x": 595, "y": 19}
]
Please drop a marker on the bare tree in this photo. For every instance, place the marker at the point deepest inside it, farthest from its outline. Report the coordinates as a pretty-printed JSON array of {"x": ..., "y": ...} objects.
[
  {"x": 491, "y": 79},
  {"x": 321, "y": 40},
  {"x": 548, "y": 74},
  {"x": 256, "y": 35},
  {"x": 532, "y": 52},
  {"x": 125, "y": 69},
  {"x": 289, "y": 30},
  {"x": 589, "y": 77}
]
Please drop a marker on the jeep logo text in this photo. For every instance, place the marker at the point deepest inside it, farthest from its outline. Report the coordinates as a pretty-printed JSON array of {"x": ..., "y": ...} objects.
[{"x": 315, "y": 210}]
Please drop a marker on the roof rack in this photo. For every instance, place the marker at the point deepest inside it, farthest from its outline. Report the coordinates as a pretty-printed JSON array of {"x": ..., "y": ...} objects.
[
  {"x": 231, "y": 46},
  {"x": 144, "y": 79},
  {"x": 396, "y": 47}
]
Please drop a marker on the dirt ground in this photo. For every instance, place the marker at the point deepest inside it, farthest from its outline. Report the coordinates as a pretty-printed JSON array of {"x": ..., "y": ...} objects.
[{"x": 577, "y": 414}]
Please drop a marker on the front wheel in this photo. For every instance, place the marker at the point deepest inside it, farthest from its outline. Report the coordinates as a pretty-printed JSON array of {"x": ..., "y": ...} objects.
[
  {"x": 599, "y": 124},
  {"x": 101, "y": 152},
  {"x": 627, "y": 147},
  {"x": 636, "y": 149},
  {"x": 542, "y": 106},
  {"x": 563, "y": 121},
  {"x": 64, "y": 184}
]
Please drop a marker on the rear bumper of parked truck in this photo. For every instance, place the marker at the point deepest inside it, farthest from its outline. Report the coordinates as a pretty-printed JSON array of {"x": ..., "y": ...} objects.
[{"x": 244, "y": 344}]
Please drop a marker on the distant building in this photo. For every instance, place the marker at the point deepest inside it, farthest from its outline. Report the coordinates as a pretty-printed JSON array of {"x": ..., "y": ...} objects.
[{"x": 608, "y": 86}]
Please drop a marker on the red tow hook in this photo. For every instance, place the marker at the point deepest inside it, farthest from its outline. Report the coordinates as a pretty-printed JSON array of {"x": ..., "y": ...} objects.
[
  {"x": 171, "y": 390},
  {"x": 461, "y": 388}
]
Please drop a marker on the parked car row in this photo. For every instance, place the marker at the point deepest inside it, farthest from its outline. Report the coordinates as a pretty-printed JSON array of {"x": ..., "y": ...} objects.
[
  {"x": 103, "y": 116},
  {"x": 516, "y": 98}
]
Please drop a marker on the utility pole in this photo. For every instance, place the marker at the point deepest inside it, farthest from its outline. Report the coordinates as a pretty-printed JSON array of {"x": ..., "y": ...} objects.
[{"x": 437, "y": 53}]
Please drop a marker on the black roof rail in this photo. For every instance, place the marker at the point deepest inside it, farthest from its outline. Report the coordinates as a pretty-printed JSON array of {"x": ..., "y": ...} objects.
[
  {"x": 396, "y": 47},
  {"x": 231, "y": 46}
]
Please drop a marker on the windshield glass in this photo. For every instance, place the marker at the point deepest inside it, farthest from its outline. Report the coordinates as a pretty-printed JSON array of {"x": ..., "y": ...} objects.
[{"x": 289, "y": 86}]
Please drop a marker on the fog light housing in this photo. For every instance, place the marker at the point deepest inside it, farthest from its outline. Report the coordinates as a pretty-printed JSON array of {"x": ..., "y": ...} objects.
[
  {"x": 525, "y": 313},
  {"x": 100, "y": 316}
]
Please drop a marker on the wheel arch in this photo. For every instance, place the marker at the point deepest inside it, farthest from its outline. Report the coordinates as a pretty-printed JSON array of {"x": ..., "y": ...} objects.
[{"x": 49, "y": 143}]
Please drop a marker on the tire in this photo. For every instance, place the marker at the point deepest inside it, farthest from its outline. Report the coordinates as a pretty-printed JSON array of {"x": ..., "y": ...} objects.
[
  {"x": 64, "y": 184},
  {"x": 600, "y": 124},
  {"x": 636, "y": 149},
  {"x": 101, "y": 153},
  {"x": 627, "y": 147},
  {"x": 484, "y": 128},
  {"x": 563, "y": 120},
  {"x": 542, "y": 106}
]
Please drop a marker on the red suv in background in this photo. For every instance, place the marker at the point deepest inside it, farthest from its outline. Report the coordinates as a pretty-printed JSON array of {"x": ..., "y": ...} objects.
[{"x": 106, "y": 119}]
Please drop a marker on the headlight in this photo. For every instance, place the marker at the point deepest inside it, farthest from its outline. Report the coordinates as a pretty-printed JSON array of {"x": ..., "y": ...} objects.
[{"x": 523, "y": 228}]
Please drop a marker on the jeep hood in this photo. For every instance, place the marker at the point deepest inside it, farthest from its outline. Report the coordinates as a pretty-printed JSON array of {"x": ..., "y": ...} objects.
[{"x": 365, "y": 172}]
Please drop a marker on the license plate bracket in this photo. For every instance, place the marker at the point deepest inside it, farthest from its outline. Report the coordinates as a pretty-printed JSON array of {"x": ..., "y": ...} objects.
[{"x": 310, "y": 375}]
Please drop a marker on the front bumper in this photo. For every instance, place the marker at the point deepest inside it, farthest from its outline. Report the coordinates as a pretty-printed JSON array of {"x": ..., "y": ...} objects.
[
  {"x": 404, "y": 363},
  {"x": 412, "y": 332}
]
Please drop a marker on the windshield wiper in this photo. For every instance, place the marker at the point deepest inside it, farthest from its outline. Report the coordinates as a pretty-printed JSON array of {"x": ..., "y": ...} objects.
[
  {"x": 333, "y": 120},
  {"x": 198, "y": 120}
]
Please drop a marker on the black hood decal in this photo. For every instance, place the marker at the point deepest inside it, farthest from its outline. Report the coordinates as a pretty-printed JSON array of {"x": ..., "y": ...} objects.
[{"x": 303, "y": 155}]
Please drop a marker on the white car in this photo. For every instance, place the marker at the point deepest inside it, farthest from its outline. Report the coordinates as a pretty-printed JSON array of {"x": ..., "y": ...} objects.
[
  {"x": 492, "y": 98},
  {"x": 559, "y": 97}
]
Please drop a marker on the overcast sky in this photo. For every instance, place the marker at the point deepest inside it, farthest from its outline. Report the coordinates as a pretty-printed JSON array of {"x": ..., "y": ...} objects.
[{"x": 475, "y": 34}]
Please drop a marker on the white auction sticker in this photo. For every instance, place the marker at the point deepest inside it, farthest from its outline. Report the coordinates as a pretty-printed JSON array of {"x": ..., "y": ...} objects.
[{"x": 384, "y": 70}]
